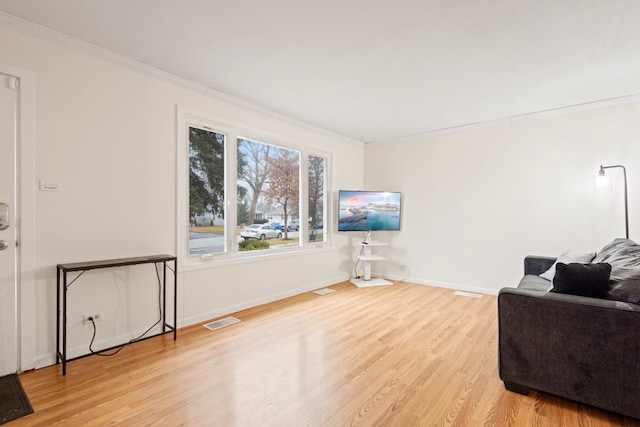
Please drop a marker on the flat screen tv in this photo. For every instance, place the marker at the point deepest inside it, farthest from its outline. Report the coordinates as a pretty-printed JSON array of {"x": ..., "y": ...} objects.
[{"x": 369, "y": 210}]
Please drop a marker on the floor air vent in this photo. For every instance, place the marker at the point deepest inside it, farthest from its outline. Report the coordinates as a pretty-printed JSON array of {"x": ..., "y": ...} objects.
[
  {"x": 468, "y": 294},
  {"x": 221, "y": 323},
  {"x": 324, "y": 291}
]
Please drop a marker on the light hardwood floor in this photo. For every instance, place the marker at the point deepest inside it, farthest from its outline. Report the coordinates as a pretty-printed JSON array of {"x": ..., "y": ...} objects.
[{"x": 403, "y": 355}]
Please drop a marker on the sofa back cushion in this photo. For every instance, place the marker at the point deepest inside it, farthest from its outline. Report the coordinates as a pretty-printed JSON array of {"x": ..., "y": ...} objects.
[
  {"x": 624, "y": 257},
  {"x": 627, "y": 290}
]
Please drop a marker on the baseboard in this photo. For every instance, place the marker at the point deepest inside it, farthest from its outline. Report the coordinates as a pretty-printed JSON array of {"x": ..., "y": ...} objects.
[
  {"x": 437, "y": 284},
  {"x": 83, "y": 350},
  {"x": 44, "y": 361},
  {"x": 202, "y": 317}
]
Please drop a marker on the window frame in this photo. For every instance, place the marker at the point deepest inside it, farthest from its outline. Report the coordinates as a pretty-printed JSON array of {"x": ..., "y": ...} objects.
[{"x": 187, "y": 118}]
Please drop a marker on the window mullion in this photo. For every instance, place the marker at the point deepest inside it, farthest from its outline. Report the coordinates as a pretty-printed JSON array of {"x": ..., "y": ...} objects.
[
  {"x": 231, "y": 178},
  {"x": 304, "y": 199}
]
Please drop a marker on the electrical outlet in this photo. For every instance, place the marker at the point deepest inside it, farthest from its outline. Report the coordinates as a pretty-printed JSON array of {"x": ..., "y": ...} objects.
[{"x": 97, "y": 317}]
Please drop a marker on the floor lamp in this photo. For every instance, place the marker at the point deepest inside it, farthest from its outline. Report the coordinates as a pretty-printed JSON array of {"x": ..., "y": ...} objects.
[{"x": 602, "y": 174}]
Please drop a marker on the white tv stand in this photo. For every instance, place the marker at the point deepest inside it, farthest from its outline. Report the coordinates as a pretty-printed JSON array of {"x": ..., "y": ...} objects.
[{"x": 367, "y": 257}]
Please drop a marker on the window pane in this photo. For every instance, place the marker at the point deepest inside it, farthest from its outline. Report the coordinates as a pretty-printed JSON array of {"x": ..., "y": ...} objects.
[
  {"x": 206, "y": 192},
  {"x": 317, "y": 226},
  {"x": 268, "y": 195}
]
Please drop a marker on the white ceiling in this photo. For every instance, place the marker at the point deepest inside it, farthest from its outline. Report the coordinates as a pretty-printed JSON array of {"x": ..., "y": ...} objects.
[{"x": 373, "y": 70}]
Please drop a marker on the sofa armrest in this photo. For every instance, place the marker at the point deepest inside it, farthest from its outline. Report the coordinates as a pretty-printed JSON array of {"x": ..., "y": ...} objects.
[
  {"x": 537, "y": 264},
  {"x": 580, "y": 348}
]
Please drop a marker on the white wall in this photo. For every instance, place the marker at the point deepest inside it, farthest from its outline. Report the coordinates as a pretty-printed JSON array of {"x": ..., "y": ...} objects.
[
  {"x": 477, "y": 201},
  {"x": 107, "y": 134}
]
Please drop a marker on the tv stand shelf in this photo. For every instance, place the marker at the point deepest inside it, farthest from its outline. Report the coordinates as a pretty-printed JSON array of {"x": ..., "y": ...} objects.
[{"x": 367, "y": 257}]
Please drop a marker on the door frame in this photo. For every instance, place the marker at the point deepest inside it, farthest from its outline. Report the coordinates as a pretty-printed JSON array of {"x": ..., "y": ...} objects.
[{"x": 25, "y": 216}]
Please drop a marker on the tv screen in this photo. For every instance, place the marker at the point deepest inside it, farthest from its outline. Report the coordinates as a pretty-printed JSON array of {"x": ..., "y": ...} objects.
[{"x": 369, "y": 211}]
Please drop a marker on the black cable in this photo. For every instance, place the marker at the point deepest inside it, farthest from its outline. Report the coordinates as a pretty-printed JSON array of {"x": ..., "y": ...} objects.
[
  {"x": 355, "y": 267},
  {"x": 364, "y": 241},
  {"x": 131, "y": 341}
]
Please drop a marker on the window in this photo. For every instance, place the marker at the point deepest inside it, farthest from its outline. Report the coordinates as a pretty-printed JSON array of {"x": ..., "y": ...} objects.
[
  {"x": 247, "y": 194},
  {"x": 206, "y": 191},
  {"x": 268, "y": 191},
  {"x": 316, "y": 199}
]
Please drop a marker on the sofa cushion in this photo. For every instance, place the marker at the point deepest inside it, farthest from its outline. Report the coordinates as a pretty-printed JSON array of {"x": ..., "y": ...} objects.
[
  {"x": 534, "y": 283},
  {"x": 589, "y": 280},
  {"x": 568, "y": 257},
  {"x": 625, "y": 290}
]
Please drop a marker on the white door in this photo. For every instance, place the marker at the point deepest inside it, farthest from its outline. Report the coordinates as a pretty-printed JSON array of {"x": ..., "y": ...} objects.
[{"x": 8, "y": 232}]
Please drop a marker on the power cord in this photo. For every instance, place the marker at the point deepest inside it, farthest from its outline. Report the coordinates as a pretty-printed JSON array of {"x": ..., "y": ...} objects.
[
  {"x": 355, "y": 267},
  {"x": 131, "y": 341}
]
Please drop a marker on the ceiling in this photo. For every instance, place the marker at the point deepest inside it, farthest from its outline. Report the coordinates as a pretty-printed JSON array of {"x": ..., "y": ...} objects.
[{"x": 373, "y": 70}]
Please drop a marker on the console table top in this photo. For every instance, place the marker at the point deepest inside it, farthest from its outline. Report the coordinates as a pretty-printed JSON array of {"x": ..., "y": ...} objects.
[{"x": 120, "y": 262}]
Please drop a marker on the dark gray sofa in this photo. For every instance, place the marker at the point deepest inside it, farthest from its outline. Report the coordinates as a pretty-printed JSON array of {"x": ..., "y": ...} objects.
[{"x": 580, "y": 348}]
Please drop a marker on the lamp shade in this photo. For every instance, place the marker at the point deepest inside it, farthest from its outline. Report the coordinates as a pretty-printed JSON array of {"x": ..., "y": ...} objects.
[{"x": 602, "y": 183}]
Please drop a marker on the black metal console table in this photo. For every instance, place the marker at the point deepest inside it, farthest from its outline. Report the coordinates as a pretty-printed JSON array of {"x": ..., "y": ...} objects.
[{"x": 62, "y": 287}]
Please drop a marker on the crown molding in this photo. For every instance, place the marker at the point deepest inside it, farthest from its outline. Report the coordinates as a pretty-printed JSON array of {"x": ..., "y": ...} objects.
[{"x": 552, "y": 112}]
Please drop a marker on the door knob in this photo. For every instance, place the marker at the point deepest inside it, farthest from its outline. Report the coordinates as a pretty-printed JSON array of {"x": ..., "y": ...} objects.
[
  {"x": 4, "y": 216},
  {"x": 3, "y": 245}
]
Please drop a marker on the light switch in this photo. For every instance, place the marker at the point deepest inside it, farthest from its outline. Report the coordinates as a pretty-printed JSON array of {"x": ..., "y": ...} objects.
[{"x": 50, "y": 186}]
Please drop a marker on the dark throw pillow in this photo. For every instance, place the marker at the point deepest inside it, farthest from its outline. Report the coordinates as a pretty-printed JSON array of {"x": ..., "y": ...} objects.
[{"x": 588, "y": 280}]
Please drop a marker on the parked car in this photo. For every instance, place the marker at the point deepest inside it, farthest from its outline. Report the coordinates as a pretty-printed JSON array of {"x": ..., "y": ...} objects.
[
  {"x": 293, "y": 225},
  {"x": 276, "y": 225},
  {"x": 260, "y": 231}
]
